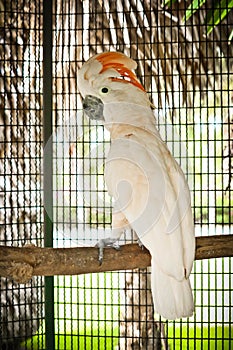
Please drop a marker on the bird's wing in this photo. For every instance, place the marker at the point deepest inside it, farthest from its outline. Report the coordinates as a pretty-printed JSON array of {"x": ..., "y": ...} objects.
[{"x": 150, "y": 189}]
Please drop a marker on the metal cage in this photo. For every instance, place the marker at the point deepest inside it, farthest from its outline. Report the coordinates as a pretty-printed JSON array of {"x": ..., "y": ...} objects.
[{"x": 52, "y": 160}]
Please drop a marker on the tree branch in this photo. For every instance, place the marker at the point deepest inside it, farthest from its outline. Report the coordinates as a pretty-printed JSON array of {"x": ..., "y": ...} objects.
[{"x": 20, "y": 264}]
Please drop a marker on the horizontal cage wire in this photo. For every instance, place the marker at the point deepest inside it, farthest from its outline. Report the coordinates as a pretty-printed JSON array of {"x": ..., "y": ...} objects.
[{"x": 183, "y": 50}]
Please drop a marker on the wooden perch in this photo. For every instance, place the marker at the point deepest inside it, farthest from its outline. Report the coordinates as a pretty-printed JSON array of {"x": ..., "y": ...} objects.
[{"x": 20, "y": 264}]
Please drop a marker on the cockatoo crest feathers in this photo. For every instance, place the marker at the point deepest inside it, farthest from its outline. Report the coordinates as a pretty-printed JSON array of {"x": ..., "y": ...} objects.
[
  {"x": 110, "y": 58},
  {"x": 117, "y": 66}
]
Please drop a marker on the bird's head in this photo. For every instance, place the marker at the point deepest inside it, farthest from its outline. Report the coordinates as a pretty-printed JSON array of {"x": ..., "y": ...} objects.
[{"x": 106, "y": 79}]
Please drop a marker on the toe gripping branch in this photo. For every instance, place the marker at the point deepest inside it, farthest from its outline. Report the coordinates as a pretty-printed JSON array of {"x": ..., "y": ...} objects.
[{"x": 107, "y": 242}]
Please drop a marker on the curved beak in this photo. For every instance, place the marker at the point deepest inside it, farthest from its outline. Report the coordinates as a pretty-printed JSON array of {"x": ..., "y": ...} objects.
[{"x": 93, "y": 107}]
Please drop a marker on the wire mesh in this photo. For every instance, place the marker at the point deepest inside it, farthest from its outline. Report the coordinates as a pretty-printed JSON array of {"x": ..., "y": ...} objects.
[
  {"x": 21, "y": 205},
  {"x": 188, "y": 76}
]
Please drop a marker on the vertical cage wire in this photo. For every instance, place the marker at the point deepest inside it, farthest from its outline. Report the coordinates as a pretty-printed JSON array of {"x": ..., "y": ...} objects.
[
  {"x": 21, "y": 213},
  {"x": 48, "y": 164},
  {"x": 185, "y": 80},
  {"x": 188, "y": 76}
]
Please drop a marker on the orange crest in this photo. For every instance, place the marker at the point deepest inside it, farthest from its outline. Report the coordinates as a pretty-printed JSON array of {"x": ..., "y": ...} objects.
[{"x": 122, "y": 64}]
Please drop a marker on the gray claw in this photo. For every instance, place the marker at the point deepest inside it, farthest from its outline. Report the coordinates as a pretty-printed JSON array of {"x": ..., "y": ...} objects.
[{"x": 107, "y": 242}]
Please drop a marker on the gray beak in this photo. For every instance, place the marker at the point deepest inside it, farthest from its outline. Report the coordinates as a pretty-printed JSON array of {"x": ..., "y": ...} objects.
[{"x": 93, "y": 107}]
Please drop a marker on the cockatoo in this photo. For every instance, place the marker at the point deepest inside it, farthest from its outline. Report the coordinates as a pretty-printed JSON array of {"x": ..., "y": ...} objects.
[{"x": 148, "y": 186}]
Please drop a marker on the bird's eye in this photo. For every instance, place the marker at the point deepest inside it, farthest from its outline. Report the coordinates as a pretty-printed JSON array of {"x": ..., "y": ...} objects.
[{"x": 104, "y": 90}]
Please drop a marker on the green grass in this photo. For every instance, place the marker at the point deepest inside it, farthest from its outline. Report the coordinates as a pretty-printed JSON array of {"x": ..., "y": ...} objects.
[
  {"x": 106, "y": 338},
  {"x": 103, "y": 338},
  {"x": 87, "y": 316},
  {"x": 92, "y": 339},
  {"x": 204, "y": 338}
]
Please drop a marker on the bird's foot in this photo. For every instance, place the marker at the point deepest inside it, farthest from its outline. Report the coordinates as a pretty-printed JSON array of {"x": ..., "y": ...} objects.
[{"x": 107, "y": 242}]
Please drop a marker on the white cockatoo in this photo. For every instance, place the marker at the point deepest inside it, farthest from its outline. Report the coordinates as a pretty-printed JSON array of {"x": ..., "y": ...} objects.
[{"x": 149, "y": 188}]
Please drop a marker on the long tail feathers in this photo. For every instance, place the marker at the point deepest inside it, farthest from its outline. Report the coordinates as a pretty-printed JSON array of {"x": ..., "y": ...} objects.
[{"x": 172, "y": 299}]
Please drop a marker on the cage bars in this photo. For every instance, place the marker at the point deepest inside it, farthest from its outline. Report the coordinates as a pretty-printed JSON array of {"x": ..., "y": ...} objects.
[
  {"x": 48, "y": 164},
  {"x": 81, "y": 29}
]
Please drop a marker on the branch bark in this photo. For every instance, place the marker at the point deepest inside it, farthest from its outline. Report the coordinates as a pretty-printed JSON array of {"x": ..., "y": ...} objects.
[{"x": 21, "y": 263}]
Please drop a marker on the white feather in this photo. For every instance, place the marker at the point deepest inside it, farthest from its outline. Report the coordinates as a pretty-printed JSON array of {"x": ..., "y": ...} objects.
[
  {"x": 148, "y": 186},
  {"x": 151, "y": 191}
]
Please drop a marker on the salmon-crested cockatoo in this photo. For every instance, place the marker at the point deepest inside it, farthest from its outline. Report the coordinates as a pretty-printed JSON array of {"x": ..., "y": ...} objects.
[{"x": 148, "y": 186}]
